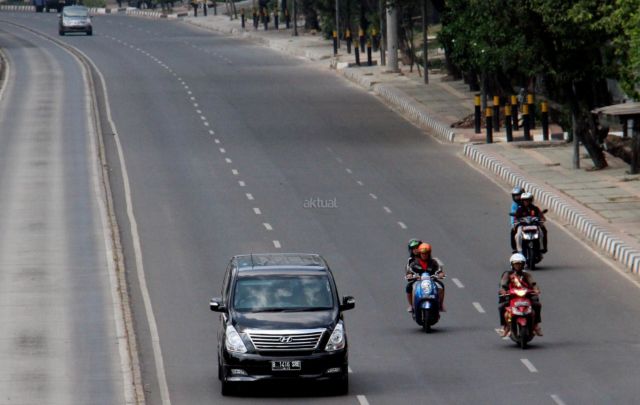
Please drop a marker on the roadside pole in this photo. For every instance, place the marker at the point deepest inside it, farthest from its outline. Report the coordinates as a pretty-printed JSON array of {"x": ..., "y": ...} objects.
[
  {"x": 383, "y": 42},
  {"x": 392, "y": 38},
  {"x": 424, "y": 41}
]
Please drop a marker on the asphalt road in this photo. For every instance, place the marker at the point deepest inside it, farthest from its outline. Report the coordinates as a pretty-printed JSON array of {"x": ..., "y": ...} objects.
[
  {"x": 58, "y": 342},
  {"x": 226, "y": 144}
]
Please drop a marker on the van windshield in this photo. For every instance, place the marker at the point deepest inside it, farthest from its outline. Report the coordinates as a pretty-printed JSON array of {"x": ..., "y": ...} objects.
[
  {"x": 75, "y": 12},
  {"x": 275, "y": 293}
]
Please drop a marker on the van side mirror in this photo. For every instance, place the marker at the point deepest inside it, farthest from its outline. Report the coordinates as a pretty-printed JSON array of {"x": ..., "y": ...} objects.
[
  {"x": 216, "y": 305},
  {"x": 348, "y": 302}
]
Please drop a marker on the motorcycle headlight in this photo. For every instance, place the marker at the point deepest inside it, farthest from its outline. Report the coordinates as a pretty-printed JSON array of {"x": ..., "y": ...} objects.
[
  {"x": 337, "y": 339},
  {"x": 521, "y": 292},
  {"x": 426, "y": 285},
  {"x": 233, "y": 342}
]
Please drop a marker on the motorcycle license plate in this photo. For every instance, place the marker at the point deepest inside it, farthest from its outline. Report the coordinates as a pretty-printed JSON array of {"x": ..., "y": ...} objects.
[
  {"x": 530, "y": 228},
  {"x": 521, "y": 304},
  {"x": 293, "y": 365}
]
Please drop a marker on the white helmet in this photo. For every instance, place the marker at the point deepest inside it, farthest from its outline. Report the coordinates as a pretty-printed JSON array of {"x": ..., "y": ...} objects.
[
  {"x": 526, "y": 196},
  {"x": 517, "y": 258}
]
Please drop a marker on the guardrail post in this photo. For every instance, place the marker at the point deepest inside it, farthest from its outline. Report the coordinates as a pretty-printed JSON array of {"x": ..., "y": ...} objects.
[
  {"x": 508, "y": 122},
  {"x": 544, "y": 119},
  {"x": 357, "y": 52},
  {"x": 276, "y": 18},
  {"x": 496, "y": 113},
  {"x": 241, "y": 17},
  {"x": 532, "y": 111},
  {"x": 514, "y": 112},
  {"x": 335, "y": 43},
  {"x": 361, "y": 36},
  {"x": 525, "y": 122},
  {"x": 369, "y": 61},
  {"x": 477, "y": 113},
  {"x": 489, "y": 125}
]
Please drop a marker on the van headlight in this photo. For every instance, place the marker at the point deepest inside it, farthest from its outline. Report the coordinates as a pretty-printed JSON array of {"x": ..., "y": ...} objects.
[
  {"x": 337, "y": 339},
  {"x": 233, "y": 342}
]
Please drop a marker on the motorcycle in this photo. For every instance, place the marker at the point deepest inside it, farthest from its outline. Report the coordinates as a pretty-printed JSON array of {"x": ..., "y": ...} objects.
[
  {"x": 519, "y": 314},
  {"x": 426, "y": 300},
  {"x": 531, "y": 235}
]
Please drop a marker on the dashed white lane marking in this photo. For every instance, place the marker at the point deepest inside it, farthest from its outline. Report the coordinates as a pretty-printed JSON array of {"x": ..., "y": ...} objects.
[
  {"x": 249, "y": 196},
  {"x": 203, "y": 118},
  {"x": 192, "y": 98},
  {"x": 196, "y": 105},
  {"x": 402, "y": 225},
  {"x": 257, "y": 210},
  {"x": 206, "y": 124},
  {"x": 375, "y": 197},
  {"x": 529, "y": 365},
  {"x": 241, "y": 183},
  {"x": 222, "y": 150},
  {"x": 363, "y": 400},
  {"x": 557, "y": 399},
  {"x": 349, "y": 171},
  {"x": 199, "y": 111},
  {"x": 387, "y": 209},
  {"x": 479, "y": 307},
  {"x": 267, "y": 226},
  {"x": 216, "y": 140},
  {"x": 339, "y": 160},
  {"x": 457, "y": 282},
  {"x": 211, "y": 132},
  {"x": 189, "y": 92},
  {"x": 234, "y": 171},
  {"x": 360, "y": 183},
  {"x": 228, "y": 160},
  {"x": 277, "y": 244}
]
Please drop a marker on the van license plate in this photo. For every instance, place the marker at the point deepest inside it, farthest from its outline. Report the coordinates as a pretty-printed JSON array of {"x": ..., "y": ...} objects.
[{"x": 294, "y": 365}]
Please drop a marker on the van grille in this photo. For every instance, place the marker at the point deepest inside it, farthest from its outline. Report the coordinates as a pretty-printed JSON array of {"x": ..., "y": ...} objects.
[{"x": 286, "y": 340}]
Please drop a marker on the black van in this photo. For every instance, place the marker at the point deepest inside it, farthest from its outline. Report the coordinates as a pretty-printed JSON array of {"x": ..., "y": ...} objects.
[{"x": 281, "y": 319}]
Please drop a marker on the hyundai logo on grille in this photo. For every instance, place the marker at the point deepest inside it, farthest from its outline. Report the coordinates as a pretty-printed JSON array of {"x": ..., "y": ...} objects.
[{"x": 285, "y": 339}]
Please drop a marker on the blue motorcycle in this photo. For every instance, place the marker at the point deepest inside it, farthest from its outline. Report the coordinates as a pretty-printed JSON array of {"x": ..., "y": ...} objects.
[{"x": 426, "y": 301}]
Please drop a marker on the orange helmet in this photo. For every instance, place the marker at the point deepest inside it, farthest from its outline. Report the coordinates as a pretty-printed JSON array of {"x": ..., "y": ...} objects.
[{"x": 424, "y": 248}]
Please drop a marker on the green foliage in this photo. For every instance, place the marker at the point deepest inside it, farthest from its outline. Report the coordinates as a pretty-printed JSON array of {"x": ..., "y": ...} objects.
[
  {"x": 94, "y": 3},
  {"x": 624, "y": 24}
]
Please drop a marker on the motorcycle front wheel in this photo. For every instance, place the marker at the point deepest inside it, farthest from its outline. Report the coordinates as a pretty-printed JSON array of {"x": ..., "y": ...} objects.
[
  {"x": 523, "y": 336},
  {"x": 426, "y": 325},
  {"x": 531, "y": 258}
]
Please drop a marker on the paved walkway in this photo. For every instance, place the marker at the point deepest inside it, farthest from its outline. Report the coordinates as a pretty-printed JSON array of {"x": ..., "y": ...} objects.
[{"x": 603, "y": 206}]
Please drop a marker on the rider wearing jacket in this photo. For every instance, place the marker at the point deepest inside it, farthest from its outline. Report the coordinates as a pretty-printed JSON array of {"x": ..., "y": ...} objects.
[
  {"x": 517, "y": 261},
  {"x": 413, "y": 255},
  {"x": 516, "y": 192},
  {"x": 528, "y": 209},
  {"x": 425, "y": 263}
]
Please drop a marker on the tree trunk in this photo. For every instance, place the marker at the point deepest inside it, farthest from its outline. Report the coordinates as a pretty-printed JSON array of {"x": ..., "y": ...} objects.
[{"x": 586, "y": 131}]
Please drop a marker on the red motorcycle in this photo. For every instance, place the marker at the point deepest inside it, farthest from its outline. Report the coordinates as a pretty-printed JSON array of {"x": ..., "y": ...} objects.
[{"x": 519, "y": 314}]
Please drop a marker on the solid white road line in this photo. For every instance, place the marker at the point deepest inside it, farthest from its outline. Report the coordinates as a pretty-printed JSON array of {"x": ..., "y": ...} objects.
[
  {"x": 457, "y": 283},
  {"x": 402, "y": 225},
  {"x": 249, "y": 196},
  {"x": 277, "y": 244},
  {"x": 137, "y": 250},
  {"x": 479, "y": 307},
  {"x": 268, "y": 226},
  {"x": 387, "y": 209},
  {"x": 363, "y": 400},
  {"x": 257, "y": 210},
  {"x": 375, "y": 197},
  {"x": 529, "y": 365},
  {"x": 557, "y": 399}
]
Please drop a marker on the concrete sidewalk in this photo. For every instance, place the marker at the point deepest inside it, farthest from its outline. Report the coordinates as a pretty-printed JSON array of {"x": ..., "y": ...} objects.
[{"x": 602, "y": 206}]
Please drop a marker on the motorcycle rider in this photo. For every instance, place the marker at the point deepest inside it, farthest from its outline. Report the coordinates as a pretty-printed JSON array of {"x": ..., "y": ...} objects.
[
  {"x": 528, "y": 209},
  {"x": 516, "y": 192},
  {"x": 517, "y": 261},
  {"x": 425, "y": 263},
  {"x": 409, "y": 275}
]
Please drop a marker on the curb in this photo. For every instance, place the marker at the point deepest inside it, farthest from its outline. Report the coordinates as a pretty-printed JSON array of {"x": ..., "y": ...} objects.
[
  {"x": 617, "y": 249},
  {"x": 410, "y": 108},
  {"x": 15, "y": 7}
]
